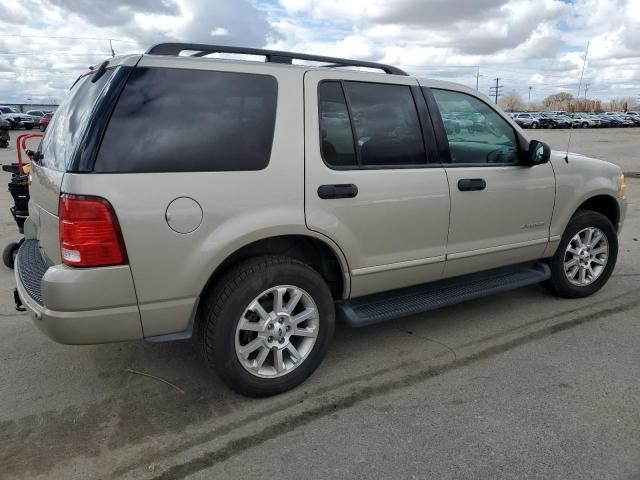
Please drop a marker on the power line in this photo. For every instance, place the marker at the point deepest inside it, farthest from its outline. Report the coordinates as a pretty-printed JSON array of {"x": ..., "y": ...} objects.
[
  {"x": 71, "y": 54},
  {"x": 68, "y": 38}
]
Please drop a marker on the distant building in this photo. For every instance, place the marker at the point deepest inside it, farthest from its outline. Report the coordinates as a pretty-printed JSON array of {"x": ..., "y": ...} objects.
[{"x": 25, "y": 107}]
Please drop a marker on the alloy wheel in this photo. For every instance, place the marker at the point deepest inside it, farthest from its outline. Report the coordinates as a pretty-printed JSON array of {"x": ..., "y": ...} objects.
[
  {"x": 586, "y": 256},
  {"x": 277, "y": 331}
]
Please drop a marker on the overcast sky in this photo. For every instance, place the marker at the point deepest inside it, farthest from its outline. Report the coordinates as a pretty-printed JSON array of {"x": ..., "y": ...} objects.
[{"x": 45, "y": 44}]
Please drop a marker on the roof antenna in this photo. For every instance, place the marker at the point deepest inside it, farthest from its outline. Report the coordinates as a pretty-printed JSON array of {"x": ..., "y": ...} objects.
[{"x": 584, "y": 63}]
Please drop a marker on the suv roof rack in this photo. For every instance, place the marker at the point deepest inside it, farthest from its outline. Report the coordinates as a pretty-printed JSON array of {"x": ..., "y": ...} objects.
[{"x": 272, "y": 56}]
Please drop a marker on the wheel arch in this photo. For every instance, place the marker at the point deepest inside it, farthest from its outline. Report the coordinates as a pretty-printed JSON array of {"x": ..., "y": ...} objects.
[
  {"x": 604, "y": 204},
  {"x": 319, "y": 253}
]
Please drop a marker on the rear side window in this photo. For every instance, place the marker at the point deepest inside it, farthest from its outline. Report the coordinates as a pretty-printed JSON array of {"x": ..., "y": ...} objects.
[
  {"x": 369, "y": 125},
  {"x": 70, "y": 121},
  {"x": 175, "y": 120}
]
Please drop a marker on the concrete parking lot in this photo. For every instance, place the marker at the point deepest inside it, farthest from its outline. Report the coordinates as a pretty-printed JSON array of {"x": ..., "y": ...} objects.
[{"x": 520, "y": 385}]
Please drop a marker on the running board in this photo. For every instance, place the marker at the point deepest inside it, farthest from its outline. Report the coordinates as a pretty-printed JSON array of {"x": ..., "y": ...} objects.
[{"x": 380, "y": 307}]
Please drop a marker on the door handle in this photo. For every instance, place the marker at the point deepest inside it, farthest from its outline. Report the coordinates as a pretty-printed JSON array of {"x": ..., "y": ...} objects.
[
  {"x": 471, "y": 184},
  {"x": 343, "y": 190}
]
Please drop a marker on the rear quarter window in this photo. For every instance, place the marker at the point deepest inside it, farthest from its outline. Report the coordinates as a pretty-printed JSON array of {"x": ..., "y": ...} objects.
[
  {"x": 170, "y": 120},
  {"x": 71, "y": 119}
]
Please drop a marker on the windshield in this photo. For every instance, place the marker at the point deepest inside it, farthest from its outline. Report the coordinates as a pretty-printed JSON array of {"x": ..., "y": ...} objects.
[{"x": 68, "y": 124}]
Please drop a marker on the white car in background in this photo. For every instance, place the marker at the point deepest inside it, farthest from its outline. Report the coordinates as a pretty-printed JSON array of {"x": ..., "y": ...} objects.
[{"x": 16, "y": 119}]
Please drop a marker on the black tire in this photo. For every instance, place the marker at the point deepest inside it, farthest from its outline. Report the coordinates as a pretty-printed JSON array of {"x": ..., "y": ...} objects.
[
  {"x": 534, "y": 125},
  {"x": 585, "y": 124},
  {"x": 29, "y": 127},
  {"x": 42, "y": 129},
  {"x": 559, "y": 284},
  {"x": 225, "y": 303},
  {"x": 9, "y": 254}
]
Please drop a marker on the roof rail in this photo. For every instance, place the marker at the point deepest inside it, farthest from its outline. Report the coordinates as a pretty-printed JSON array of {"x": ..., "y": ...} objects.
[{"x": 272, "y": 56}]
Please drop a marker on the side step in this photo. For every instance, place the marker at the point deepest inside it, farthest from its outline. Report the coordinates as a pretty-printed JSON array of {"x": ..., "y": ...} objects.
[{"x": 380, "y": 307}]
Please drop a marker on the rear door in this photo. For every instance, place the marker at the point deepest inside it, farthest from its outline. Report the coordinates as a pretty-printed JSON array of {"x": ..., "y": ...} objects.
[
  {"x": 372, "y": 183},
  {"x": 500, "y": 209}
]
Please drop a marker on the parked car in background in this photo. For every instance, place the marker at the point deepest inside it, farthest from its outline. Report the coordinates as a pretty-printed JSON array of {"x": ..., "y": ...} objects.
[
  {"x": 605, "y": 120},
  {"x": 566, "y": 121},
  {"x": 15, "y": 118},
  {"x": 635, "y": 119},
  {"x": 582, "y": 120},
  {"x": 44, "y": 121},
  {"x": 557, "y": 120},
  {"x": 614, "y": 121},
  {"x": 38, "y": 114},
  {"x": 595, "y": 119},
  {"x": 544, "y": 121},
  {"x": 526, "y": 120},
  {"x": 626, "y": 122},
  {"x": 4, "y": 133}
]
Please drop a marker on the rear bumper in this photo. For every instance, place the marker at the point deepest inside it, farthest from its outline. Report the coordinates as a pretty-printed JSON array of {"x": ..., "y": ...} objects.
[{"x": 77, "y": 306}]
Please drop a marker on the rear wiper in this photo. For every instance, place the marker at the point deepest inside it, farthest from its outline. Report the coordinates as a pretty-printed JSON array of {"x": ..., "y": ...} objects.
[{"x": 101, "y": 69}]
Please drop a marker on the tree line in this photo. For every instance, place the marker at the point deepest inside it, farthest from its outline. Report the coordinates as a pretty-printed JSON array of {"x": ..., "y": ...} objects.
[{"x": 513, "y": 102}]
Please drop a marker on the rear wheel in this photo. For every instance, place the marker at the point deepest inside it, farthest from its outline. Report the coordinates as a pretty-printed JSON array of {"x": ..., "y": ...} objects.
[
  {"x": 266, "y": 325},
  {"x": 9, "y": 254},
  {"x": 585, "y": 257},
  {"x": 585, "y": 124},
  {"x": 534, "y": 125}
]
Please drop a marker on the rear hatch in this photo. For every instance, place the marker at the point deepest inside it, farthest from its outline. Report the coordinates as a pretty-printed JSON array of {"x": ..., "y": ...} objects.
[{"x": 73, "y": 131}]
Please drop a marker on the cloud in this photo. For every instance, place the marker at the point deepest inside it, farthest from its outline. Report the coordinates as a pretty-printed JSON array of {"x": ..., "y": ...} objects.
[
  {"x": 41, "y": 64},
  {"x": 102, "y": 13},
  {"x": 524, "y": 42}
]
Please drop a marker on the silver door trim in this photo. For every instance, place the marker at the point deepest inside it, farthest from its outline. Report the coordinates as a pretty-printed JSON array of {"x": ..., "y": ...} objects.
[
  {"x": 499, "y": 248},
  {"x": 397, "y": 266}
]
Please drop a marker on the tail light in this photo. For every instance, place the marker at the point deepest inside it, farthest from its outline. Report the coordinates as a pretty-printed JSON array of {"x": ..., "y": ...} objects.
[{"x": 90, "y": 235}]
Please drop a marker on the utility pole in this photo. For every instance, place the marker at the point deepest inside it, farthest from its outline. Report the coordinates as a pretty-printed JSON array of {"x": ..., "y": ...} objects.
[
  {"x": 113, "y": 54},
  {"x": 586, "y": 89},
  {"x": 478, "y": 78},
  {"x": 497, "y": 90},
  {"x": 529, "y": 101}
]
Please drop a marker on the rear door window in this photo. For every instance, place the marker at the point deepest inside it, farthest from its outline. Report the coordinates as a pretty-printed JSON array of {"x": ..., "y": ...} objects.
[
  {"x": 177, "y": 120},
  {"x": 369, "y": 125}
]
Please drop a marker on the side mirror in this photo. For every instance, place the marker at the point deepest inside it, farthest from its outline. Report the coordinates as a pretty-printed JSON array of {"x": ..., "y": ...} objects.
[{"x": 538, "y": 153}]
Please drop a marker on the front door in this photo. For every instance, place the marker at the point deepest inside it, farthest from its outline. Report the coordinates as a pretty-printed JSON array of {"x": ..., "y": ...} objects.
[
  {"x": 500, "y": 209},
  {"x": 371, "y": 184}
]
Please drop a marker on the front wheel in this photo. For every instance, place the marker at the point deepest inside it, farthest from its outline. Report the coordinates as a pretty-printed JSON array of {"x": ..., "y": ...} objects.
[
  {"x": 266, "y": 325},
  {"x": 585, "y": 257},
  {"x": 534, "y": 125}
]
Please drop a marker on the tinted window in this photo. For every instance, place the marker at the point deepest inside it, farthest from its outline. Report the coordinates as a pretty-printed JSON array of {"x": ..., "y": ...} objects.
[
  {"x": 68, "y": 125},
  {"x": 476, "y": 132},
  {"x": 190, "y": 120},
  {"x": 386, "y": 124},
  {"x": 336, "y": 138}
]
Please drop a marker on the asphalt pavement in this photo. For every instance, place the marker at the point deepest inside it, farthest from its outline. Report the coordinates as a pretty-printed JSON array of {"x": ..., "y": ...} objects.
[{"x": 519, "y": 385}]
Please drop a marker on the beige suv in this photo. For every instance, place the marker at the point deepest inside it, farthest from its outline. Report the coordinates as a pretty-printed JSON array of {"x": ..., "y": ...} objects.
[{"x": 250, "y": 204}]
